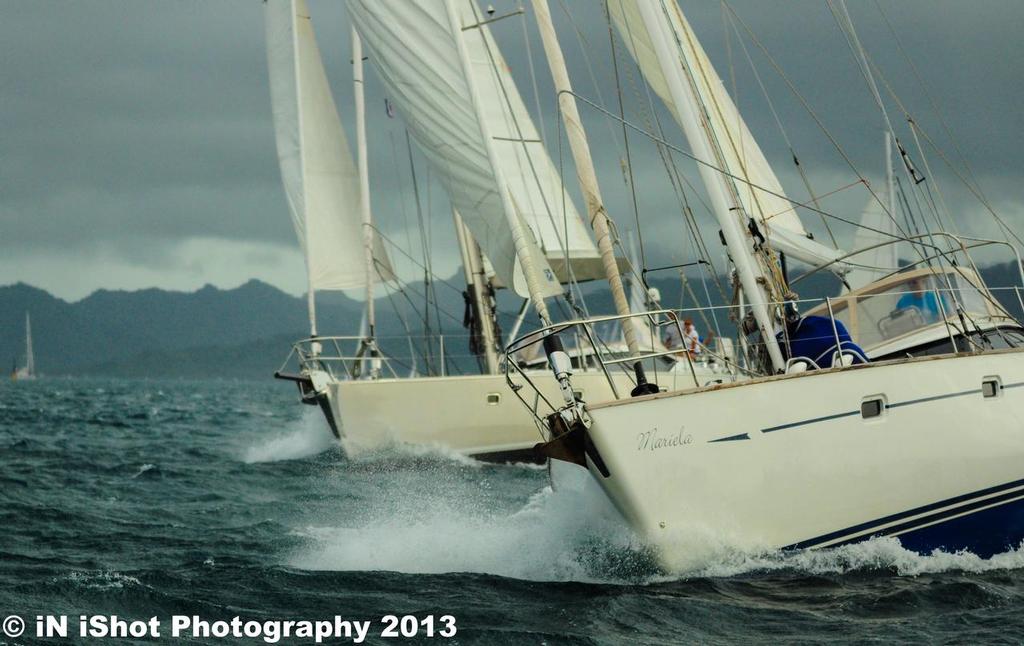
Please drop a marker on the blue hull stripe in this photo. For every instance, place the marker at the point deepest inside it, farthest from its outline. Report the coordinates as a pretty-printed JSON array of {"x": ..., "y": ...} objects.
[
  {"x": 868, "y": 526},
  {"x": 805, "y": 422},
  {"x": 732, "y": 438},
  {"x": 909, "y": 402},
  {"x": 933, "y": 518}
]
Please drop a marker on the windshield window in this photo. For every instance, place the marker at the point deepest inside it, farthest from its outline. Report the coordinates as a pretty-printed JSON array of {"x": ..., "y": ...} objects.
[{"x": 916, "y": 303}]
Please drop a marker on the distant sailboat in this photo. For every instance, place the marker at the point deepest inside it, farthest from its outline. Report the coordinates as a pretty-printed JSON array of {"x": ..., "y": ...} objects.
[{"x": 28, "y": 371}]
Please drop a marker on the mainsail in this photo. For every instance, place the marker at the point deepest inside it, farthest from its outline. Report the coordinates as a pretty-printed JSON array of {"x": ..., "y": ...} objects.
[
  {"x": 443, "y": 70},
  {"x": 320, "y": 178},
  {"x": 757, "y": 188}
]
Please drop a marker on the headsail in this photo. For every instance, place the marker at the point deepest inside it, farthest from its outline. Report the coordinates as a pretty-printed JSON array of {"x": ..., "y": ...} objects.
[
  {"x": 742, "y": 156},
  {"x": 320, "y": 178},
  {"x": 436, "y": 61}
]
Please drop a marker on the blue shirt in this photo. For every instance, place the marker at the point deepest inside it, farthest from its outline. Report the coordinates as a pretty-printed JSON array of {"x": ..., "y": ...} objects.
[{"x": 926, "y": 302}]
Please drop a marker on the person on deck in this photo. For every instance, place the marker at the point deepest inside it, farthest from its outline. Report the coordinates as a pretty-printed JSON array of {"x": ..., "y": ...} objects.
[
  {"x": 688, "y": 341},
  {"x": 920, "y": 297},
  {"x": 692, "y": 338}
]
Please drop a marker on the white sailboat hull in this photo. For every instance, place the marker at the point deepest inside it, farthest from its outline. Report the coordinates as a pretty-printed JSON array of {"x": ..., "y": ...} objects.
[
  {"x": 475, "y": 415},
  {"x": 790, "y": 462}
]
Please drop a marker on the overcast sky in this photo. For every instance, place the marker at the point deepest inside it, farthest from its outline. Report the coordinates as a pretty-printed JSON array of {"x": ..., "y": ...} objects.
[{"x": 137, "y": 149}]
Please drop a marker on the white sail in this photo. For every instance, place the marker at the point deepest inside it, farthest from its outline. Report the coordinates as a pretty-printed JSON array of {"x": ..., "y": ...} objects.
[
  {"x": 320, "y": 178},
  {"x": 30, "y": 360},
  {"x": 445, "y": 74},
  {"x": 877, "y": 227},
  {"x": 742, "y": 156}
]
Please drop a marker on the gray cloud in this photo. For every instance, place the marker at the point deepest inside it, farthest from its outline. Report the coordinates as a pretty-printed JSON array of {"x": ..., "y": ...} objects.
[{"x": 136, "y": 145}]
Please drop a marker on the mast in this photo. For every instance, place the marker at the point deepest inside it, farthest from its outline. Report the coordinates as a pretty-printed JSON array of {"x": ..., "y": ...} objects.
[
  {"x": 516, "y": 225},
  {"x": 584, "y": 168},
  {"x": 30, "y": 362},
  {"x": 753, "y": 277},
  {"x": 364, "y": 197},
  {"x": 474, "y": 271}
]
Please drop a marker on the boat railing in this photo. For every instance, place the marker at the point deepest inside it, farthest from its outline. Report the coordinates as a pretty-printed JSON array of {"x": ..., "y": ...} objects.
[
  {"x": 342, "y": 357},
  {"x": 600, "y": 346},
  {"x": 960, "y": 312},
  {"x": 348, "y": 356}
]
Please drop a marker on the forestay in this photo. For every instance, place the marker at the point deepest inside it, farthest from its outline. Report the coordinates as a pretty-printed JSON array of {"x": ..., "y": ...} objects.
[
  {"x": 320, "y": 178},
  {"x": 446, "y": 75},
  {"x": 742, "y": 156}
]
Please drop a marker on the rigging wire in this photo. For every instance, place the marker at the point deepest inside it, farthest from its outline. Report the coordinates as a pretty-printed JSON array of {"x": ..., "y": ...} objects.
[
  {"x": 828, "y": 134},
  {"x": 424, "y": 247},
  {"x": 563, "y": 243},
  {"x": 972, "y": 187},
  {"x": 585, "y": 48},
  {"x": 625, "y": 139},
  {"x": 676, "y": 180},
  {"x": 845, "y": 23},
  {"x": 533, "y": 74},
  {"x": 815, "y": 199},
  {"x": 928, "y": 94}
]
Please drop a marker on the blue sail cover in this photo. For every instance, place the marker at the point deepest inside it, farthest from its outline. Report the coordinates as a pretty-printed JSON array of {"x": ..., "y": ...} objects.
[{"x": 812, "y": 337}]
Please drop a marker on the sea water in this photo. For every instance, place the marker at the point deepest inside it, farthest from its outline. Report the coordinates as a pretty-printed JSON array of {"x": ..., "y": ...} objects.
[{"x": 219, "y": 499}]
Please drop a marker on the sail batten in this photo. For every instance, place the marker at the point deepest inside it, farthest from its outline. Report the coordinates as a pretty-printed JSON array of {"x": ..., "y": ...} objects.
[{"x": 319, "y": 175}]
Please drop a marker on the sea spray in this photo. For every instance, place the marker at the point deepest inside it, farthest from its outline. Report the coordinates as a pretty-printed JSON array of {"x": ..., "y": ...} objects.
[
  {"x": 451, "y": 518},
  {"x": 306, "y": 437}
]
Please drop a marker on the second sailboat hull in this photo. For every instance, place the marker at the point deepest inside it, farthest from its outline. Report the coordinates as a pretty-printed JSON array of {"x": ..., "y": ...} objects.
[{"x": 474, "y": 415}]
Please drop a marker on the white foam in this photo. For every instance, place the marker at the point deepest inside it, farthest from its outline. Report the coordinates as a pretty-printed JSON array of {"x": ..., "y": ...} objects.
[
  {"x": 875, "y": 554},
  {"x": 99, "y": 580},
  {"x": 144, "y": 468},
  {"x": 307, "y": 437},
  {"x": 569, "y": 535},
  {"x": 439, "y": 522},
  {"x": 449, "y": 516}
]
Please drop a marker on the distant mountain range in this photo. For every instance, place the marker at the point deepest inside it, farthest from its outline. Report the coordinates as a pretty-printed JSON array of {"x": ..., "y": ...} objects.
[{"x": 247, "y": 331}]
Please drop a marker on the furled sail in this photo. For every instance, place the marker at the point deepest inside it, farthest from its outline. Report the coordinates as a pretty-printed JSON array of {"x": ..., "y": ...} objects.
[
  {"x": 877, "y": 227},
  {"x": 444, "y": 72},
  {"x": 742, "y": 156},
  {"x": 320, "y": 178}
]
